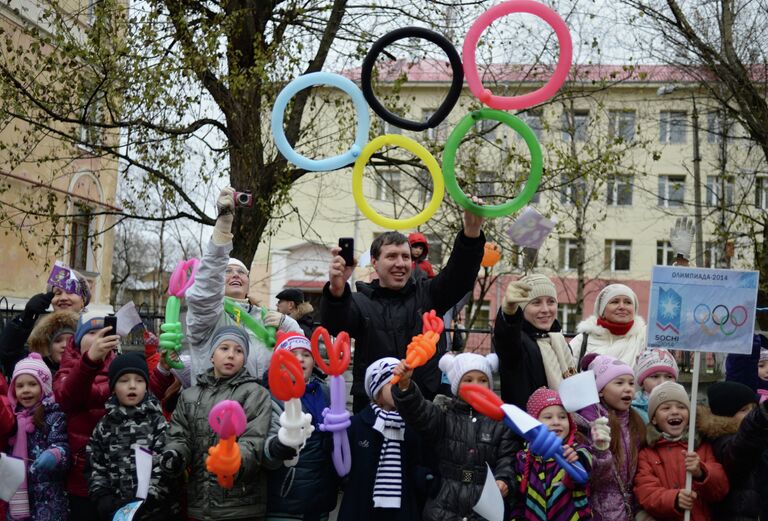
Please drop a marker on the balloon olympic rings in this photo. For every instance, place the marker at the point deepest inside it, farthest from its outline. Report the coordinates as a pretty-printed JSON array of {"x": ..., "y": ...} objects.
[
  {"x": 309, "y": 80},
  {"x": 449, "y": 160},
  {"x": 453, "y": 93},
  {"x": 422, "y": 153},
  {"x": 539, "y": 95}
]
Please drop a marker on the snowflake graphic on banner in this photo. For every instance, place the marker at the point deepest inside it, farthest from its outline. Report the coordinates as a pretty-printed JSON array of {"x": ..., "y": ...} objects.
[{"x": 668, "y": 312}]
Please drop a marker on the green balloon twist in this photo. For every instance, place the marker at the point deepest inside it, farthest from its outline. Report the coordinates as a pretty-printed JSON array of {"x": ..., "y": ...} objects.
[{"x": 264, "y": 333}]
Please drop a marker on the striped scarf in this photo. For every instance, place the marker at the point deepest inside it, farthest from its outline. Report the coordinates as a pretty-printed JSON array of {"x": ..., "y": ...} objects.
[{"x": 388, "y": 486}]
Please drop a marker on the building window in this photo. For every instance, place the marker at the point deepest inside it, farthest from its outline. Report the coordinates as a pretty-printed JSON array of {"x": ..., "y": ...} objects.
[
  {"x": 618, "y": 254},
  {"x": 665, "y": 255},
  {"x": 575, "y": 123},
  {"x": 714, "y": 190},
  {"x": 671, "y": 190},
  {"x": 532, "y": 118},
  {"x": 388, "y": 185},
  {"x": 485, "y": 184},
  {"x": 525, "y": 258},
  {"x": 486, "y": 129},
  {"x": 566, "y": 315},
  {"x": 438, "y": 133},
  {"x": 389, "y": 128},
  {"x": 714, "y": 127},
  {"x": 621, "y": 125},
  {"x": 573, "y": 191},
  {"x": 672, "y": 127},
  {"x": 619, "y": 190},
  {"x": 80, "y": 232},
  {"x": 761, "y": 192},
  {"x": 483, "y": 315},
  {"x": 435, "y": 255},
  {"x": 712, "y": 254},
  {"x": 569, "y": 254}
]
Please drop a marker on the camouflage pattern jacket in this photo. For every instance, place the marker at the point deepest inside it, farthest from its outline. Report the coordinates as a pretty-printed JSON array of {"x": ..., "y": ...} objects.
[{"x": 111, "y": 467}]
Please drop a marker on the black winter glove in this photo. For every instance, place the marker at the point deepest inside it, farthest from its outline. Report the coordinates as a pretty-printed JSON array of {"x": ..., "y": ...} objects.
[
  {"x": 37, "y": 305},
  {"x": 278, "y": 450},
  {"x": 171, "y": 463}
]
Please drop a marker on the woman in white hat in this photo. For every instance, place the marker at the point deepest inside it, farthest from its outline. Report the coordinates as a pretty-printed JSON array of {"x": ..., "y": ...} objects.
[{"x": 614, "y": 328}]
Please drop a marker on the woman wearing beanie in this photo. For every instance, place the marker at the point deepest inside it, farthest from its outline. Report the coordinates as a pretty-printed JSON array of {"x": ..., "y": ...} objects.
[
  {"x": 614, "y": 328},
  {"x": 532, "y": 351},
  {"x": 615, "y": 442},
  {"x": 41, "y": 441},
  {"x": 736, "y": 427}
]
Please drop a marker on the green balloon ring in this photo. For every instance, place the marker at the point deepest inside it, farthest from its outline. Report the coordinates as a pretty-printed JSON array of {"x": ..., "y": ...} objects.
[{"x": 449, "y": 160}]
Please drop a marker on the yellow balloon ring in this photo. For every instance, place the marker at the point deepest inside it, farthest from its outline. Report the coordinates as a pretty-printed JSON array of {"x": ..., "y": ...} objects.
[{"x": 438, "y": 188}]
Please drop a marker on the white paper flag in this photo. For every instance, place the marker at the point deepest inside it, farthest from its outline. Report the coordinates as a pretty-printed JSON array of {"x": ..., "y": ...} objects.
[
  {"x": 127, "y": 319},
  {"x": 578, "y": 391},
  {"x": 520, "y": 418},
  {"x": 12, "y": 472},
  {"x": 491, "y": 504},
  {"x": 143, "y": 470},
  {"x": 530, "y": 229}
]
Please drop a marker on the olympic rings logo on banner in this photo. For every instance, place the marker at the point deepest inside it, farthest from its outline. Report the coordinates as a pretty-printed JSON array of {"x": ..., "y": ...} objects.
[
  {"x": 365, "y": 99},
  {"x": 722, "y": 317}
]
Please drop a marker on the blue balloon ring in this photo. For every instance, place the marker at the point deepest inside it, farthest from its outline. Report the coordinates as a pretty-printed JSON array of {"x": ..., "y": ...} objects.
[{"x": 361, "y": 134}]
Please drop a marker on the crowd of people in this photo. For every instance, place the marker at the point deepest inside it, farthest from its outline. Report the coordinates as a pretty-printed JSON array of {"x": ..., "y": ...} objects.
[{"x": 76, "y": 412}]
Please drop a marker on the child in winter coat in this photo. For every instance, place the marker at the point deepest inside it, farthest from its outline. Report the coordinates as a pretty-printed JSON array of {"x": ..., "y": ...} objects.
[
  {"x": 545, "y": 491},
  {"x": 750, "y": 369},
  {"x": 377, "y": 435},
  {"x": 7, "y": 423},
  {"x": 309, "y": 489},
  {"x": 134, "y": 418},
  {"x": 738, "y": 432},
  {"x": 653, "y": 367},
  {"x": 190, "y": 435},
  {"x": 465, "y": 440},
  {"x": 419, "y": 251},
  {"x": 660, "y": 479},
  {"x": 615, "y": 441},
  {"x": 41, "y": 441}
]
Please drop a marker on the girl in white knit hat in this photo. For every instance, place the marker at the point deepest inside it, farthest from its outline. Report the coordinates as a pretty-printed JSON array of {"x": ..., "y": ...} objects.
[
  {"x": 614, "y": 328},
  {"x": 464, "y": 439}
]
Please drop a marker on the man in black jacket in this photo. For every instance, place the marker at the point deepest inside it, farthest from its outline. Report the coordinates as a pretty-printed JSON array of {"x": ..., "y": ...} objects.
[{"x": 384, "y": 315}]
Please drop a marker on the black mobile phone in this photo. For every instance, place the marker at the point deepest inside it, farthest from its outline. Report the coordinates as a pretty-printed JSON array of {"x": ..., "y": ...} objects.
[
  {"x": 111, "y": 320},
  {"x": 347, "y": 245}
]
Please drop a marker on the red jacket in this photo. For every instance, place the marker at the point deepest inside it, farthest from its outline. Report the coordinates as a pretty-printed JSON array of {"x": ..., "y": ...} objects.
[{"x": 661, "y": 475}]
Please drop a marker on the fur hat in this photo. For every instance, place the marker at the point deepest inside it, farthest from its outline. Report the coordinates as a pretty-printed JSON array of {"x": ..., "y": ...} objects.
[
  {"x": 49, "y": 328},
  {"x": 727, "y": 398},
  {"x": 607, "y": 368},
  {"x": 233, "y": 333},
  {"x": 611, "y": 291},
  {"x": 128, "y": 363},
  {"x": 34, "y": 366},
  {"x": 456, "y": 366},
  {"x": 379, "y": 374},
  {"x": 653, "y": 361},
  {"x": 290, "y": 341},
  {"x": 239, "y": 263},
  {"x": 667, "y": 392},
  {"x": 88, "y": 321},
  {"x": 540, "y": 285}
]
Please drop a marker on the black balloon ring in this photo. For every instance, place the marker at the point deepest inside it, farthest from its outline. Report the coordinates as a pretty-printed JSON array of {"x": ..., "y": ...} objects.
[{"x": 453, "y": 94}]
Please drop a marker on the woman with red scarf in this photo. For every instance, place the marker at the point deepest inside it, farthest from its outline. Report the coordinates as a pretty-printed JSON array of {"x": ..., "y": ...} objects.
[{"x": 614, "y": 328}]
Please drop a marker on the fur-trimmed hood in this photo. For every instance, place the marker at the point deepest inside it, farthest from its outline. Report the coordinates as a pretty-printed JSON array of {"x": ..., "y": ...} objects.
[
  {"x": 41, "y": 336},
  {"x": 303, "y": 309},
  {"x": 589, "y": 325},
  {"x": 712, "y": 426}
]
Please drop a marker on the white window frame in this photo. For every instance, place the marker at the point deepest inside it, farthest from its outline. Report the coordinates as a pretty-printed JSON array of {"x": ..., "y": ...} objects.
[
  {"x": 665, "y": 183},
  {"x": 568, "y": 254},
  {"x": 713, "y": 191},
  {"x": 568, "y": 190},
  {"x": 670, "y": 120},
  {"x": 438, "y": 133},
  {"x": 388, "y": 185},
  {"x": 612, "y": 247},
  {"x": 668, "y": 255},
  {"x": 389, "y": 128},
  {"x": 615, "y": 182},
  {"x": 622, "y": 124},
  {"x": 564, "y": 313},
  {"x": 580, "y": 125},
  {"x": 534, "y": 119},
  {"x": 761, "y": 192}
]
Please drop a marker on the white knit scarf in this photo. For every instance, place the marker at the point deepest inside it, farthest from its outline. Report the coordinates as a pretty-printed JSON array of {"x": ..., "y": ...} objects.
[{"x": 558, "y": 359}]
